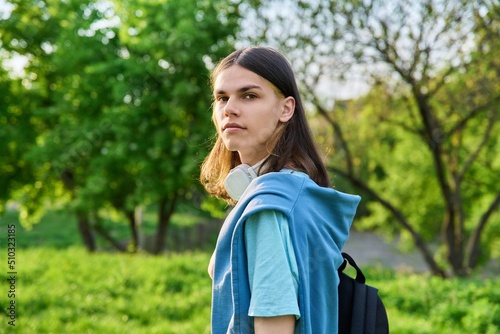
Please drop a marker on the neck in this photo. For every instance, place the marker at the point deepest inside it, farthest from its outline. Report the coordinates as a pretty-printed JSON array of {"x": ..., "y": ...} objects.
[{"x": 254, "y": 160}]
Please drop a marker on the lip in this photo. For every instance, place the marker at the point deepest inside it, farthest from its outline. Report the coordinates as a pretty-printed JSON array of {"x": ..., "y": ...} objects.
[{"x": 232, "y": 127}]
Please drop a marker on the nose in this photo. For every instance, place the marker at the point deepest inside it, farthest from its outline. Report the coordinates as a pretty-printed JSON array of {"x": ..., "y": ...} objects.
[{"x": 230, "y": 107}]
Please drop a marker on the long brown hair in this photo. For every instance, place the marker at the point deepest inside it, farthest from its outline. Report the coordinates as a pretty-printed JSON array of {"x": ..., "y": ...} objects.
[{"x": 294, "y": 146}]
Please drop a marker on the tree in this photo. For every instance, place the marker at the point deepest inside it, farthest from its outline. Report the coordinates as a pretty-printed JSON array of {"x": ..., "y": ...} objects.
[
  {"x": 125, "y": 105},
  {"x": 432, "y": 110}
]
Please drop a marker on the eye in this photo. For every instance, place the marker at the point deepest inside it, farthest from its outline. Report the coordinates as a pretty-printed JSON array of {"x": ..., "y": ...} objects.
[
  {"x": 250, "y": 96},
  {"x": 221, "y": 98}
]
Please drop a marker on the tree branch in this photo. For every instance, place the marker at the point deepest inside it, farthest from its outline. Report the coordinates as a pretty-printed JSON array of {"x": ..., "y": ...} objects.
[
  {"x": 473, "y": 113},
  {"x": 166, "y": 209},
  {"x": 472, "y": 157},
  {"x": 105, "y": 234},
  {"x": 419, "y": 242},
  {"x": 338, "y": 133},
  {"x": 473, "y": 246}
]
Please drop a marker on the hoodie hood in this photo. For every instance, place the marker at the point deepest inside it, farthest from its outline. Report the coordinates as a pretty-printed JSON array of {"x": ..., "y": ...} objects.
[{"x": 324, "y": 212}]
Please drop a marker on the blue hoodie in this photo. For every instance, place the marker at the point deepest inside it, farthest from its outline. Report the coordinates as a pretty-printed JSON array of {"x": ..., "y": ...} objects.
[{"x": 319, "y": 219}]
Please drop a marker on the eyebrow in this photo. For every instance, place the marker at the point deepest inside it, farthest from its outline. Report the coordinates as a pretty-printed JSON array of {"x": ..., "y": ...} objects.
[{"x": 240, "y": 90}]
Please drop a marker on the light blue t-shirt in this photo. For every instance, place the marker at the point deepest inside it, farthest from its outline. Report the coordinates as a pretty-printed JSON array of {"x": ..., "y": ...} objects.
[{"x": 272, "y": 266}]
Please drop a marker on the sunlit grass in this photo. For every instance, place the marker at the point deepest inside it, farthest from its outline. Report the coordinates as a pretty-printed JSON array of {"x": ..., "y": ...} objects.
[
  {"x": 61, "y": 288},
  {"x": 71, "y": 291}
]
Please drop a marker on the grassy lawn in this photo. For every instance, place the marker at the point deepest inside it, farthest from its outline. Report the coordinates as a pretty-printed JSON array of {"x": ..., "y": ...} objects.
[
  {"x": 60, "y": 288},
  {"x": 71, "y": 291}
]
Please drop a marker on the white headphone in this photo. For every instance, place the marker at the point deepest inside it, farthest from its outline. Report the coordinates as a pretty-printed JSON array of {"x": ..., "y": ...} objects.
[{"x": 240, "y": 177}]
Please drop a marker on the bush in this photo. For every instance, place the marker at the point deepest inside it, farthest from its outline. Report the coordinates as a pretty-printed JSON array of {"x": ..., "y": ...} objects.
[{"x": 424, "y": 304}]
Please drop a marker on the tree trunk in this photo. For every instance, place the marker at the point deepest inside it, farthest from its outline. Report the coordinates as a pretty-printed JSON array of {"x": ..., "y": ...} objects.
[
  {"x": 121, "y": 248},
  {"x": 165, "y": 211},
  {"x": 84, "y": 227},
  {"x": 138, "y": 213},
  {"x": 134, "y": 232},
  {"x": 86, "y": 232},
  {"x": 454, "y": 253}
]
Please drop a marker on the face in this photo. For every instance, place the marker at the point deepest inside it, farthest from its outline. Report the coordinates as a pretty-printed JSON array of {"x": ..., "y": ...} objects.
[{"x": 247, "y": 112}]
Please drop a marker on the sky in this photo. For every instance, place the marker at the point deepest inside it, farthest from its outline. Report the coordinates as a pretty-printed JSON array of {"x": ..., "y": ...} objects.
[{"x": 5, "y": 9}]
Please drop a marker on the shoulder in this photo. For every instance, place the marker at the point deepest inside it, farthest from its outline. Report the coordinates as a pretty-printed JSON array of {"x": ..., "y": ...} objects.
[
  {"x": 288, "y": 191},
  {"x": 265, "y": 223},
  {"x": 286, "y": 181},
  {"x": 289, "y": 187},
  {"x": 265, "y": 220},
  {"x": 277, "y": 191}
]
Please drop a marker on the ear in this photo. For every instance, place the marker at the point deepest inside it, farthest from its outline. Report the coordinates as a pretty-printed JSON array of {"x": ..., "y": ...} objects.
[{"x": 287, "y": 109}]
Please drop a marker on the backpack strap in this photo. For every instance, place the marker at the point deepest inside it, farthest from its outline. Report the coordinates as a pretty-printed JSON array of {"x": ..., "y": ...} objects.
[{"x": 360, "y": 277}]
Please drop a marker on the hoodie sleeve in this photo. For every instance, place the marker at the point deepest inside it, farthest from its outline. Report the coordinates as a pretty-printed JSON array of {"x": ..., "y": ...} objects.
[{"x": 272, "y": 266}]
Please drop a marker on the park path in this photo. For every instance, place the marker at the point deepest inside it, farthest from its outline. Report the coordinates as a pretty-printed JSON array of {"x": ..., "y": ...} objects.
[{"x": 369, "y": 249}]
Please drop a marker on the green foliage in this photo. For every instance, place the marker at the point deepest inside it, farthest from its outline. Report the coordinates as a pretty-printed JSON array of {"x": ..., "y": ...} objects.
[
  {"x": 395, "y": 163},
  {"x": 421, "y": 140},
  {"x": 114, "y": 107},
  {"x": 423, "y": 304},
  {"x": 71, "y": 291}
]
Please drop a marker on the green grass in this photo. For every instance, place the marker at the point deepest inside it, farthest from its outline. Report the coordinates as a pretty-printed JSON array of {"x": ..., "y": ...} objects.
[
  {"x": 58, "y": 229},
  {"x": 71, "y": 291},
  {"x": 61, "y": 288},
  {"x": 421, "y": 304},
  {"x": 55, "y": 230}
]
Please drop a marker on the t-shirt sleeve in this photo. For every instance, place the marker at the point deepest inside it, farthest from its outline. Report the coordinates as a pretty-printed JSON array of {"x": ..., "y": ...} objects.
[{"x": 272, "y": 266}]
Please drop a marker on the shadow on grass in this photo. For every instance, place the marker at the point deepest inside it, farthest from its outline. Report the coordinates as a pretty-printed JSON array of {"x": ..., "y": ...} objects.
[{"x": 58, "y": 229}]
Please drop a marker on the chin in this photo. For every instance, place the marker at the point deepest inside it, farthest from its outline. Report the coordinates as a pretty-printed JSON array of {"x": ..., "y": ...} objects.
[{"x": 232, "y": 146}]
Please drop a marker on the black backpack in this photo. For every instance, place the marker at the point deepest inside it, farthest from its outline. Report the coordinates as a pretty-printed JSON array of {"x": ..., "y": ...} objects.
[{"x": 361, "y": 310}]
